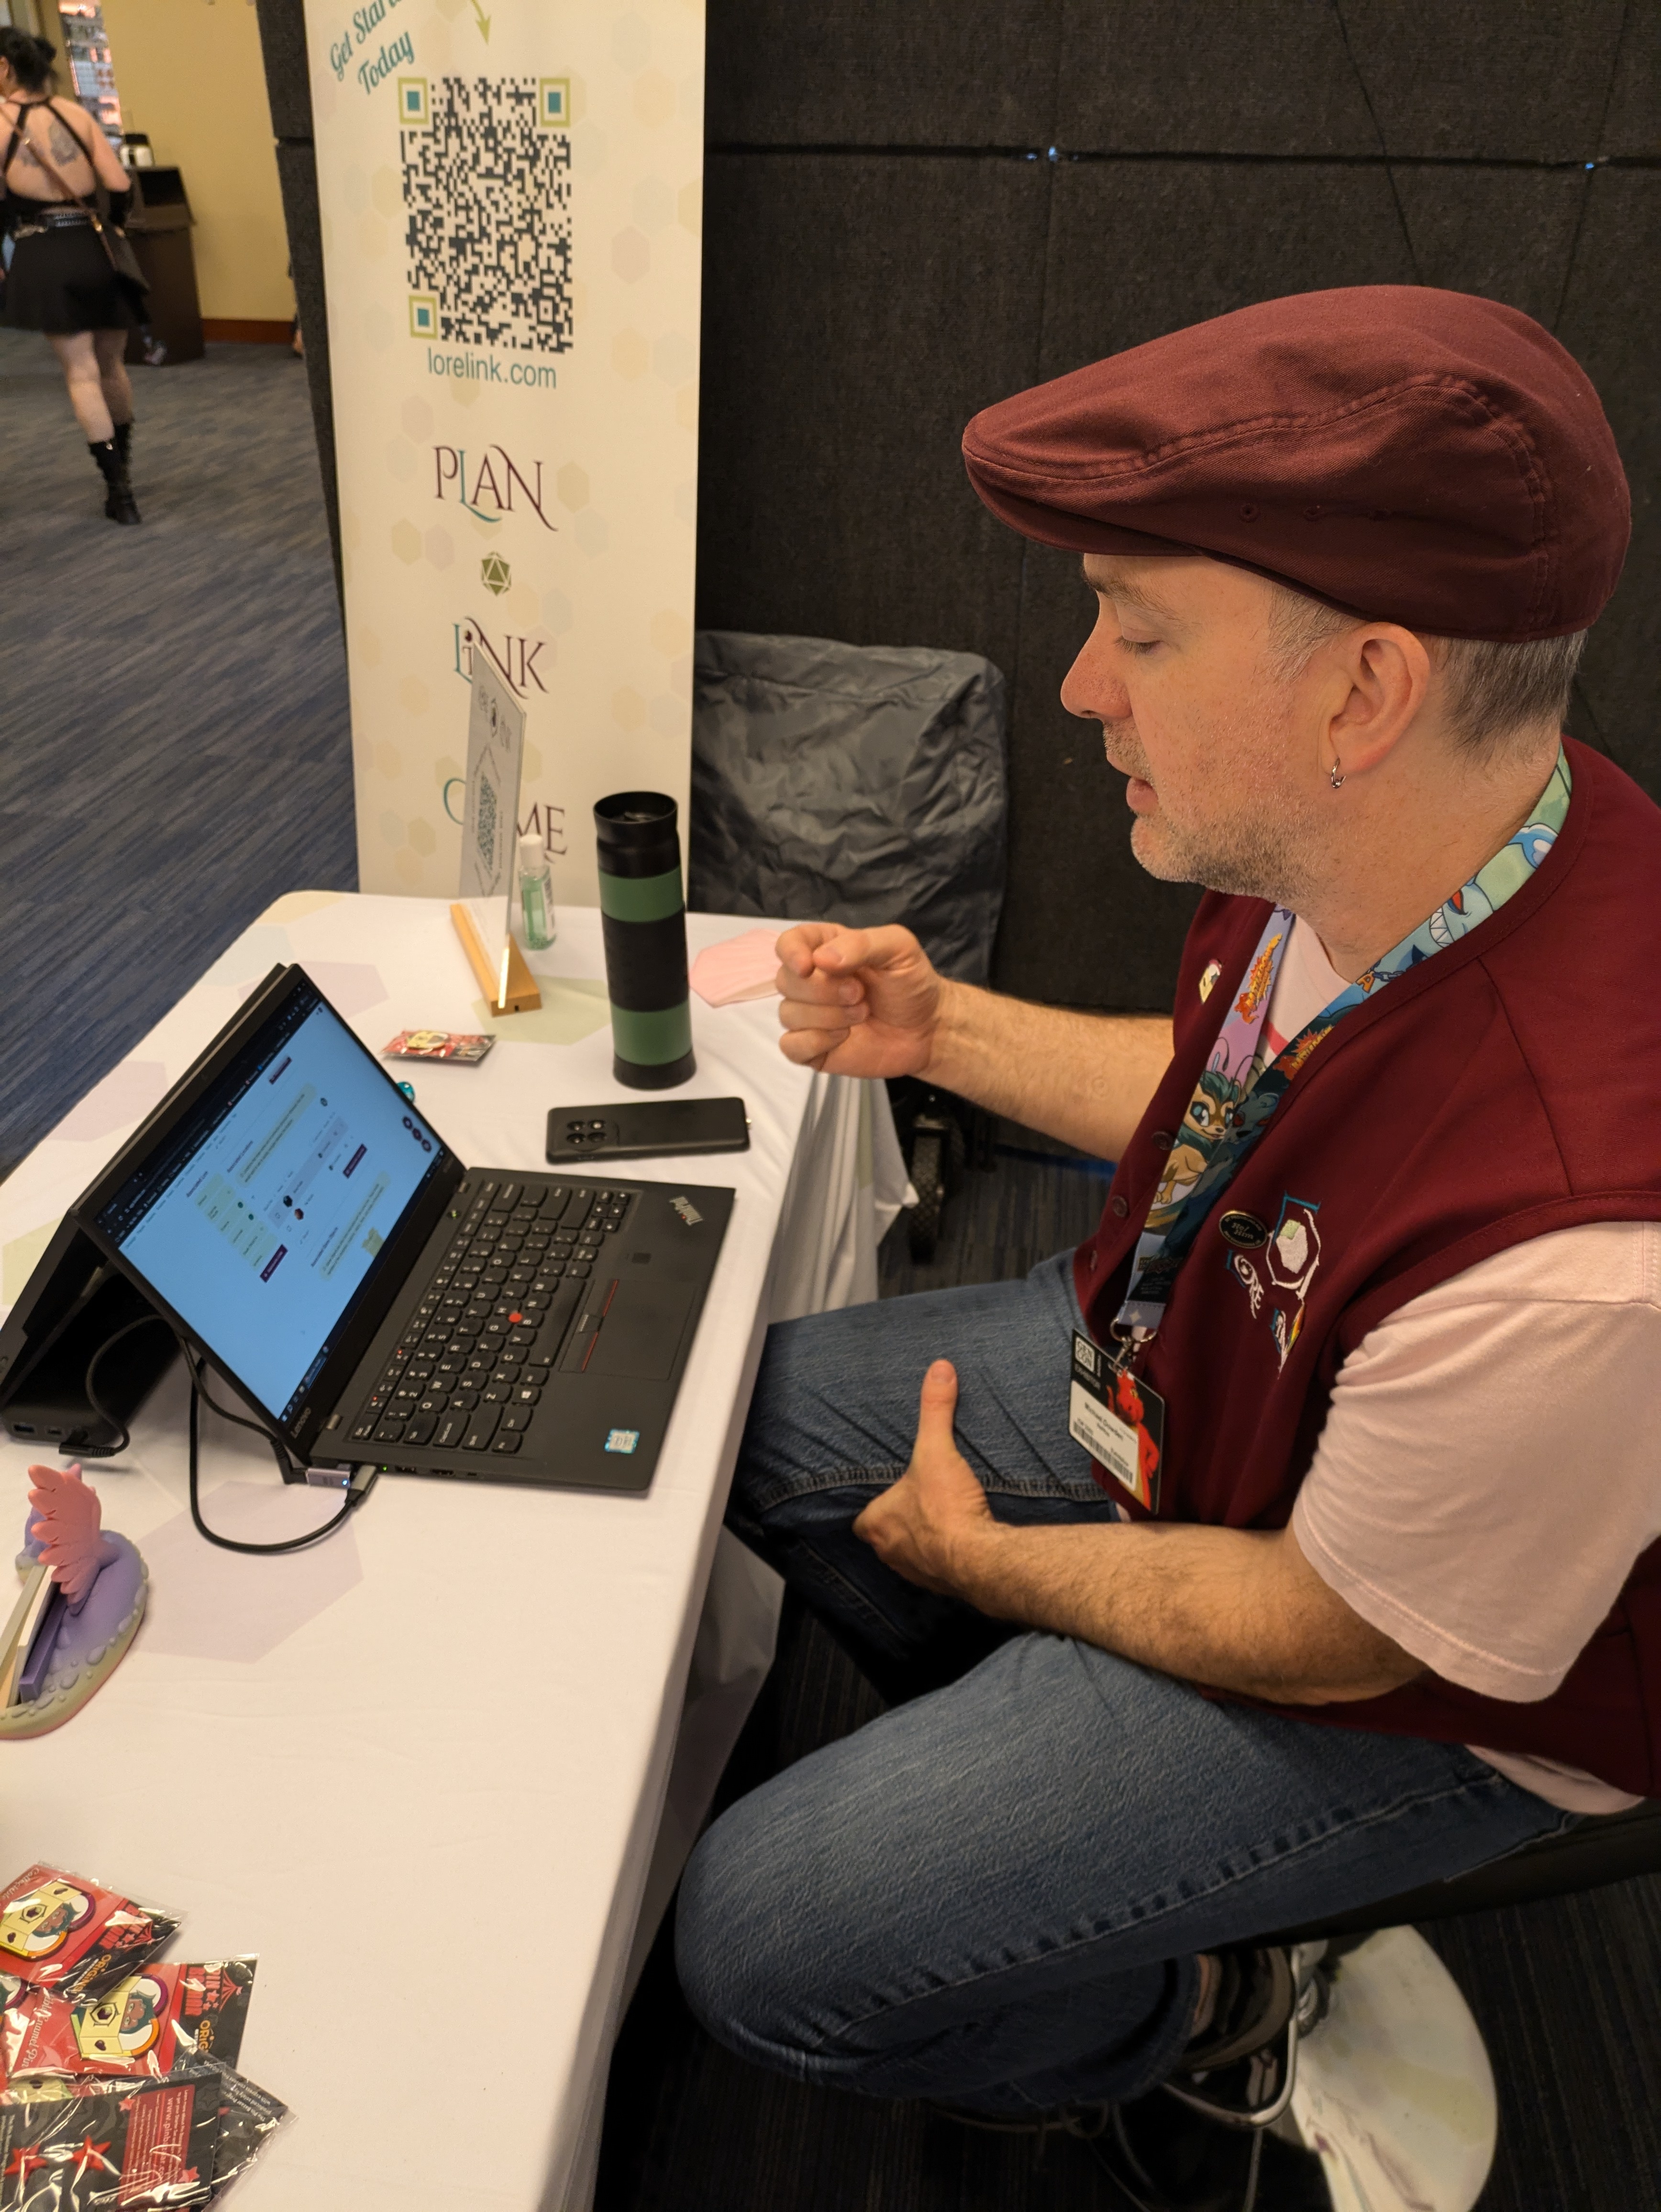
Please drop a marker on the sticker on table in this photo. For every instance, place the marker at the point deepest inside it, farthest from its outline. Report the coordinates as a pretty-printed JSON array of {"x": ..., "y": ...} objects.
[
  {"x": 437, "y": 1044},
  {"x": 622, "y": 1440}
]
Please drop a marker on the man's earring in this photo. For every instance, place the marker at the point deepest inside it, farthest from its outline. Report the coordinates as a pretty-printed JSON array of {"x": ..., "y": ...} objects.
[{"x": 1335, "y": 778}]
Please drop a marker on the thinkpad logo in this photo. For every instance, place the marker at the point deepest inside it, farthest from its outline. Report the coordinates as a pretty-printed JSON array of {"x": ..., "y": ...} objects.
[{"x": 688, "y": 1212}]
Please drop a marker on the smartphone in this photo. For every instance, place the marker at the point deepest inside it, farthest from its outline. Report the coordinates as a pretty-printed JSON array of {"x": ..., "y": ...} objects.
[{"x": 577, "y": 1134}]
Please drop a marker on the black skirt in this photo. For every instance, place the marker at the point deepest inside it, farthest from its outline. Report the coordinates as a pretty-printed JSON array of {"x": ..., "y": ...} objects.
[{"x": 61, "y": 281}]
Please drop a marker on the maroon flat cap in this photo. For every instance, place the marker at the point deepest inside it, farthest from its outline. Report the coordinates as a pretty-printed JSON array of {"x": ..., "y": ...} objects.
[{"x": 1425, "y": 456}]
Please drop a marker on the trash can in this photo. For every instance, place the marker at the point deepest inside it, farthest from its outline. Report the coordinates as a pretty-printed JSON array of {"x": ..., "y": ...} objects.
[{"x": 159, "y": 226}]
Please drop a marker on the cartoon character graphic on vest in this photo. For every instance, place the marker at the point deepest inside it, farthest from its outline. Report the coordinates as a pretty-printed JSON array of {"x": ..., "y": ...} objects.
[
  {"x": 1222, "y": 1106},
  {"x": 1288, "y": 1262},
  {"x": 1203, "y": 1125},
  {"x": 35, "y": 1926}
]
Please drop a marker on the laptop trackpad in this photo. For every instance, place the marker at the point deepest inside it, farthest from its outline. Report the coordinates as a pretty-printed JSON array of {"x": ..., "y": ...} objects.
[{"x": 641, "y": 1335}]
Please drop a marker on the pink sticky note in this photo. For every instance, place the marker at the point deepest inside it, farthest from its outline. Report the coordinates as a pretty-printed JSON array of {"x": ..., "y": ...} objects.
[{"x": 740, "y": 968}]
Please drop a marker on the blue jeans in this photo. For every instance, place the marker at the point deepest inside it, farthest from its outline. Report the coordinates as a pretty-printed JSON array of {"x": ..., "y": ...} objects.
[{"x": 993, "y": 1894}]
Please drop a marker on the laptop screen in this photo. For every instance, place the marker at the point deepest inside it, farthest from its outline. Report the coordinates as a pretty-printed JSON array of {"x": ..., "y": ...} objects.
[{"x": 261, "y": 1216}]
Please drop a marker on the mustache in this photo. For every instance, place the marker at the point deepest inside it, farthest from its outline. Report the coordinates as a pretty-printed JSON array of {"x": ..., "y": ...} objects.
[{"x": 1124, "y": 752}]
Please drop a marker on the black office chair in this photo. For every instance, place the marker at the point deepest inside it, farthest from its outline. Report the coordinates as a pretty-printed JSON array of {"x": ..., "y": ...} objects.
[{"x": 1610, "y": 1847}]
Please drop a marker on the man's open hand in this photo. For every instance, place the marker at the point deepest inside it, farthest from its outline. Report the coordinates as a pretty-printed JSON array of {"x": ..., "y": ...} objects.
[
  {"x": 1238, "y": 1609},
  {"x": 934, "y": 1521},
  {"x": 857, "y": 1001}
]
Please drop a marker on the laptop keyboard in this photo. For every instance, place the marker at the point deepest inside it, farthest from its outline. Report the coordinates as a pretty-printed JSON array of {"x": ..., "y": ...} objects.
[{"x": 477, "y": 1350}]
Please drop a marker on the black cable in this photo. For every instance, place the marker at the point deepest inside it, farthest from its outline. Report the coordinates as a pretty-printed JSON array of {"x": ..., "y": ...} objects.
[
  {"x": 78, "y": 1440},
  {"x": 199, "y": 1396}
]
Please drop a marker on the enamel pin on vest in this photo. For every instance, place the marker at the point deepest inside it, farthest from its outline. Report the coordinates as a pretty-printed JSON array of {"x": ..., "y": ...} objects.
[{"x": 1244, "y": 1230}]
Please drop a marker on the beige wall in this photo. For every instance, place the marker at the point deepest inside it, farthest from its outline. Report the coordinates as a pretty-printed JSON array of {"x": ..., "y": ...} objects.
[{"x": 189, "y": 72}]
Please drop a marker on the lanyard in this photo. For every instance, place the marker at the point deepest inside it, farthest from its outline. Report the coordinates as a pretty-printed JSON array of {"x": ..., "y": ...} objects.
[{"x": 1237, "y": 1094}]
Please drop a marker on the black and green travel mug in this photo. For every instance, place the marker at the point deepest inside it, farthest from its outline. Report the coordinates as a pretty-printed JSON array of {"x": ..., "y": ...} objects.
[{"x": 644, "y": 914}]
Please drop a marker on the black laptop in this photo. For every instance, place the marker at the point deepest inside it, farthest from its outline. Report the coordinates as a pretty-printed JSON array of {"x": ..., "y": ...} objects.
[{"x": 288, "y": 1210}]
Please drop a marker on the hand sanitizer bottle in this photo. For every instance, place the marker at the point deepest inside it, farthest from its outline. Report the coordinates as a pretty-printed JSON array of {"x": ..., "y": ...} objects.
[{"x": 536, "y": 893}]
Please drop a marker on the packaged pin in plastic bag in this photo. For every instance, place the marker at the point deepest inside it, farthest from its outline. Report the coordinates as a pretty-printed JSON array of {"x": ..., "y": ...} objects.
[
  {"x": 248, "y": 2116},
  {"x": 136, "y": 2144},
  {"x": 141, "y": 2025},
  {"x": 61, "y": 1932}
]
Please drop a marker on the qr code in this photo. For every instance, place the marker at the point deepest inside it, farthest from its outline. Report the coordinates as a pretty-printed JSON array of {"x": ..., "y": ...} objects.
[
  {"x": 486, "y": 183},
  {"x": 485, "y": 835}
]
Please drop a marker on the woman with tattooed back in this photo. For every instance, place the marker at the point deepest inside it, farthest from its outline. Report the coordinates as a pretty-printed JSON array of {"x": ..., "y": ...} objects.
[{"x": 52, "y": 157}]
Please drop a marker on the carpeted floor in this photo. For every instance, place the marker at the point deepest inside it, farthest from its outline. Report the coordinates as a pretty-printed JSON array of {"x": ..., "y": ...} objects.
[
  {"x": 174, "y": 739},
  {"x": 1567, "y": 1993}
]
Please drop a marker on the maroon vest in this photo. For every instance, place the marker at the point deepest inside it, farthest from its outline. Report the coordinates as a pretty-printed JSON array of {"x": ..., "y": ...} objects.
[{"x": 1510, "y": 1086}]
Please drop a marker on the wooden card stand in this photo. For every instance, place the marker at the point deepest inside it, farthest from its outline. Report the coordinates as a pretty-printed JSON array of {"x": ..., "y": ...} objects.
[{"x": 522, "y": 996}]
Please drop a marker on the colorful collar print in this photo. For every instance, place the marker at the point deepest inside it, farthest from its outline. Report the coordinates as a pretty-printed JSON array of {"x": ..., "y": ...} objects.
[{"x": 1237, "y": 1094}]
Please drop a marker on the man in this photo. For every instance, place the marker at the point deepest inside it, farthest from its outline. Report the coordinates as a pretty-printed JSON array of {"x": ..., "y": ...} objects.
[{"x": 1294, "y": 1542}]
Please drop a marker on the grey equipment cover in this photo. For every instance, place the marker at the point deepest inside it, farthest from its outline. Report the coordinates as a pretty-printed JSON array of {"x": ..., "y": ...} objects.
[{"x": 859, "y": 784}]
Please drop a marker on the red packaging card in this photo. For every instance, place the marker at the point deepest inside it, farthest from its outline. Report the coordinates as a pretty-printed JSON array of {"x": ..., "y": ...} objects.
[
  {"x": 139, "y": 2027},
  {"x": 59, "y": 1931}
]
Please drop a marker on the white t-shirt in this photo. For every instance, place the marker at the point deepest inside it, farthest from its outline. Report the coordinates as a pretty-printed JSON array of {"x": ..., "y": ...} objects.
[{"x": 1489, "y": 1470}]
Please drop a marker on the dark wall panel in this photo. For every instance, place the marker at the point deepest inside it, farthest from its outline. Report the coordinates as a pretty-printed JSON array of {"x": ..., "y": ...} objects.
[
  {"x": 1608, "y": 325},
  {"x": 1633, "y": 125},
  {"x": 1505, "y": 233},
  {"x": 296, "y": 170},
  {"x": 289, "y": 85},
  {"x": 881, "y": 73},
  {"x": 1138, "y": 249},
  {"x": 1494, "y": 80},
  {"x": 1083, "y": 924},
  {"x": 856, "y": 312},
  {"x": 1208, "y": 76},
  {"x": 288, "y": 79}
]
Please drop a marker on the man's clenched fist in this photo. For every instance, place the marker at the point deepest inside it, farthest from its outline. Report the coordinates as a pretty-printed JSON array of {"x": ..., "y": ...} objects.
[{"x": 858, "y": 1001}]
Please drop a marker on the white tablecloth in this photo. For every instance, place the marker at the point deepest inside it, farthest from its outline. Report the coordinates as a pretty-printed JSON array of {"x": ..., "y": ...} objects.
[{"x": 423, "y": 1769}]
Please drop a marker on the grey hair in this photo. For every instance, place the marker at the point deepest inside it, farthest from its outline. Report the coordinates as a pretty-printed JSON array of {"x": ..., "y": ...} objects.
[{"x": 1493, "y": 689}]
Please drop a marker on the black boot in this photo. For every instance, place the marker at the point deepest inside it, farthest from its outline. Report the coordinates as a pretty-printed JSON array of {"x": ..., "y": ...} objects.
[
  {"x": 123, "y": 443},
  {"x": 119, "y": 504}
]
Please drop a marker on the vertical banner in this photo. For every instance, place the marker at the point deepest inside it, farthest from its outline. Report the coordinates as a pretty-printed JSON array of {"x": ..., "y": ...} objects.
[{"x": 510, "y": 194}]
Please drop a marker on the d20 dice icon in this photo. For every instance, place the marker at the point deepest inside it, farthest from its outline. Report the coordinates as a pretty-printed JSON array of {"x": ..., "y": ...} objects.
[{"x": 495, "y": 574}]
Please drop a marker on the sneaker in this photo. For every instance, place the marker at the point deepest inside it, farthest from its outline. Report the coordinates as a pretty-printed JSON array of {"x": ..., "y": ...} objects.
[{"x": 1241, "y": 2071}]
